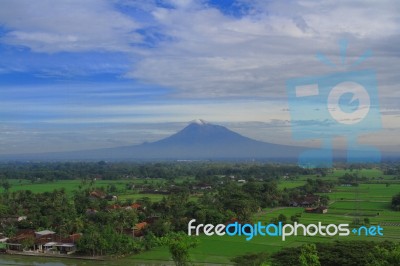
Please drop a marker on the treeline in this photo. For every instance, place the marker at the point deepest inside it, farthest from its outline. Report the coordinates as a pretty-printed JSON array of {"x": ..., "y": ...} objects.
[
  {"x": 165, "y": 170},
  {"x": 392, "y": 169},
  {"x": 43, "y": 210},
  {"x": 344, "y": 253}
]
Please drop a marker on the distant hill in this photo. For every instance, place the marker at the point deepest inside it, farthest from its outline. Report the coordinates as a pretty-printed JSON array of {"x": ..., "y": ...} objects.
[{"x": 197, "y": 141}]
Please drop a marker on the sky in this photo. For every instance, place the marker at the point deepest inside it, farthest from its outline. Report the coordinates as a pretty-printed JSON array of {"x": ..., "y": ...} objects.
[{"x": 90, "y": 74}]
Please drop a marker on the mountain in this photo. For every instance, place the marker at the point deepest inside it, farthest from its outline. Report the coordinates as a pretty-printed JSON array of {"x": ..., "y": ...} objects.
[
  {"x": 201, "y": 140},
  {"x": 197, "y": 141}
]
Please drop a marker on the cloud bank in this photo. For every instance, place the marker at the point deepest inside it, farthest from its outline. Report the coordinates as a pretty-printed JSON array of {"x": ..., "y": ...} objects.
[{"x": 115, "y": 62}]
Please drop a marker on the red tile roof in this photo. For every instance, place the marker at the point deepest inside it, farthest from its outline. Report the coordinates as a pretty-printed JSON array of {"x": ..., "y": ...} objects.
[
  {"x": 140, "y": 226},
  {"x": 113, "y": 207},
  {"x": 136, "y": 206}
]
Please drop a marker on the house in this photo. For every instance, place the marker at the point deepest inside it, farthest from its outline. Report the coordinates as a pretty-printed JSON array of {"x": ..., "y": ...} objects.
[
  {"x": 134, "y": 206},
  {"x": 45, "y": 241},
  {"x": 319, "y": 209},
  {"x": 138, "y": 229},
  {"x": 202, "y": 186},
  {"x": 241, "y": 181},
  {"x": 30, "y": 240},
  {"x": 59, "y": 248},
  {"x": 43, "y": 237},
  {"x": 44, "y": 233},
  {"x": 97, "y": 194},
  {"x": 22, "y": 236},
  {"x": 111, "y": 198},
  {"x": 63, "y": 246},
  {"x": 113, "y": 207},
  {"x": 305, "y": 201}
]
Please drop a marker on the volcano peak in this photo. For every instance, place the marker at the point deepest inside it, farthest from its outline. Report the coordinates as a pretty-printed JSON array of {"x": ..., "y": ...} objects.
[{"x": 200, "y": 122}]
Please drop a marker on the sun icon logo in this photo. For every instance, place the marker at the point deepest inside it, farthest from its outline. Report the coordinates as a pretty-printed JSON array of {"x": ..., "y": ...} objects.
[{"x": 340, "y": 104}]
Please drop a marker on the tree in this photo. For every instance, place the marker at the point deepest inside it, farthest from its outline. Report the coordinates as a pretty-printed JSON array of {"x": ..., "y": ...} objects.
[
  {"x": 385, "y": 256},
  {"x": 396, "y": 202},
  {"x": 253, "y": 259},
  {"x": 294, "y": 218},
  {"x": 91, "y": 241},
  {"x": 160, "y": 227},
  {"x": 309, "y": 255},
  {"x": 112, "y": 188},
  {"x": 123, "y": 219},
  {"x": 274, "y": 220},
  {"x": 150, "y": 241},
  {"x": 282, "y": 218},
  {"x": 10, "y": 230},
  {"x": 178, "y": 246},
  {"x": 324, "y": 200},
  {"x": 6, "y": 185}
]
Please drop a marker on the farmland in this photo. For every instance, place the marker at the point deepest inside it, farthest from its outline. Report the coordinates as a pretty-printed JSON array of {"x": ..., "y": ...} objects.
[
  {"x": 346, "y": 203},
  {"x": 370, "y": 201},
  {"x": 375, "y": 199}
]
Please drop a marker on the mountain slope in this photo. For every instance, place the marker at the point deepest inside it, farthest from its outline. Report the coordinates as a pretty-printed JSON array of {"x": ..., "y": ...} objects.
[{"x": 213, "y": 141}]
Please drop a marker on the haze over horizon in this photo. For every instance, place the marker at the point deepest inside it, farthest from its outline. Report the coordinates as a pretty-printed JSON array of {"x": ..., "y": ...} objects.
[{"x": 98, "y": 74}]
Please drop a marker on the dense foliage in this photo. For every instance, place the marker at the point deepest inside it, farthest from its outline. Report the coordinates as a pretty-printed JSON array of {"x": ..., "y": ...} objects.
[
  {"x": 396, "y": 202},
  {"x": 344, "y": 253},
  {"x": 166, "y": 170}
]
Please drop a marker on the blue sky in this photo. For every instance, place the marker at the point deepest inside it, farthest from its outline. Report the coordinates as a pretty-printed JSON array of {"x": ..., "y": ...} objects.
[{"x": 91, "y": 74}]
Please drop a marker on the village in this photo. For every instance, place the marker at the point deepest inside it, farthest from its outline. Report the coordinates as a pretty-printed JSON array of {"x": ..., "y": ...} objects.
[{"x": 137, "y": 220}]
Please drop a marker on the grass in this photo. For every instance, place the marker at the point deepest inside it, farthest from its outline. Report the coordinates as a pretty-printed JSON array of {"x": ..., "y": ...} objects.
[
  {"x": 290, "y": 184},
  {"x": 71, "y": 185},
  {"x": 135, "y": 196},
  {"x": 369, "y": 173},
  {"x": 370, "y": 201},
  {"x": 373, "y": 202}
]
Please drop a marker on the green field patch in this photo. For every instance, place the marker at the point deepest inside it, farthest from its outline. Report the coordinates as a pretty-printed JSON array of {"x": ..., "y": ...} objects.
[
  {"x": 152, "y": 197},
  {"x": 71, "y": 185},
  {"x": 365, "y": 201},
  {"x": 290, "y": 184},
  {"x": 364, "y": 192},
  {"x": 360, "y": 205}
]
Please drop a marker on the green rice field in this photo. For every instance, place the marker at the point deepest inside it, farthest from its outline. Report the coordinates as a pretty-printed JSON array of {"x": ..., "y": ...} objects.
[
  {"x": 346, "y": 203},
  {"x": 370, "y": 201}
]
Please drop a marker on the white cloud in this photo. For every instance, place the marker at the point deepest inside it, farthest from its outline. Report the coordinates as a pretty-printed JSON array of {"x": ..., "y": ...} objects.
[
  {"x": 208, "y": 53},
  {"x": 67, "y": 25},
  {"x": 215, "y": 55}
]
